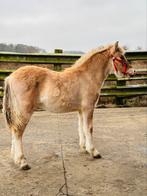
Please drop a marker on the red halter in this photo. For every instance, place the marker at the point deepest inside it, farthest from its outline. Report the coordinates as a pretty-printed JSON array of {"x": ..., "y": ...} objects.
[{"x": 115, "y": 59}]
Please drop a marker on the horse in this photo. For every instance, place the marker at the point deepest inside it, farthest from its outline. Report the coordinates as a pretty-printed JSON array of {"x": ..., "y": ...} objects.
[{"x": 74, "y": 89}]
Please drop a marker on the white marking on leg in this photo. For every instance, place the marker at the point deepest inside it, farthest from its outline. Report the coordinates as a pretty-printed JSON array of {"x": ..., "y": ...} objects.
[
  {"x": 81, "y": 133},
  {"x": 12, "y": 147},
  {"x": 17, "y": 142},
  {"x": 19, "y": 158}
]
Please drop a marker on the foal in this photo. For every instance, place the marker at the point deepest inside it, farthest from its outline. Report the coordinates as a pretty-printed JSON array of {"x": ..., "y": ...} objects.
[{"x": 74, "y": 89}]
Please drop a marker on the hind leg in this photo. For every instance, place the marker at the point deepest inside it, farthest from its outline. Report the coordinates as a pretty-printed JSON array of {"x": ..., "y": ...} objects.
[
  {"x": 17, "y": 130},
  {"x": 20, "y": 98},
  {"x": 17, "y": 150}
]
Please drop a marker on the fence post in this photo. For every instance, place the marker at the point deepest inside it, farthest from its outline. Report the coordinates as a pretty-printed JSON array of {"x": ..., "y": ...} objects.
[
  {"x": 58, "y": 67},
  {"x": 120, "y": 100}
]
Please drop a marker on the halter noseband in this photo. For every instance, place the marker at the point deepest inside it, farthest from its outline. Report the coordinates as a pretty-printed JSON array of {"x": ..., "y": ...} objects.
[{"x": 124, "y": 64}]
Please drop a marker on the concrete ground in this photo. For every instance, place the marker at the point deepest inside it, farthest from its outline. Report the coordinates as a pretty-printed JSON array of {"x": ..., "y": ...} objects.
[{"x": 120, "y": 134}]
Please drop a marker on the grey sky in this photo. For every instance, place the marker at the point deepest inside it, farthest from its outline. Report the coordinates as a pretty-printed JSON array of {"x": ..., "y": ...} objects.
[{"x": 73, "y": 24}]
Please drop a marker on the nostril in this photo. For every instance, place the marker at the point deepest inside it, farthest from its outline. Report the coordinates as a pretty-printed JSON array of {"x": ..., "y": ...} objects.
[{"x": 134, "y": 72}]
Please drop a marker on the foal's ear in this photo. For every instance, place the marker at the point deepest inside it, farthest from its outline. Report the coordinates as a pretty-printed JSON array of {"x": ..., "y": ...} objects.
[
  {"x": 114, "y": 48},
  {"x": 116, "y": 45}
]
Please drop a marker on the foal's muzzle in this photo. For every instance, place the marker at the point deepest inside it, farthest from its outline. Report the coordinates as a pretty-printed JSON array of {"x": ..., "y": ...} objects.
[{"x": 131, "y": 72}]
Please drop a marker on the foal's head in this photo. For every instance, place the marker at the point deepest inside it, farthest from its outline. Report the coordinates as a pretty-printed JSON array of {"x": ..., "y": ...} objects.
[{"x": 120, "y": 63}]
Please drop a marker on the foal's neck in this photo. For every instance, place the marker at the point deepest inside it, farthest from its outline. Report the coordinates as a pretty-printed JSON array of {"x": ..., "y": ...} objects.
[{"x": 100, "y": 67}]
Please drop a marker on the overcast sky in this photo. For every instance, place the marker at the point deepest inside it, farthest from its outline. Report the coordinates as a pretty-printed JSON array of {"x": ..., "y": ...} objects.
[{"x": 73, "y": 24}]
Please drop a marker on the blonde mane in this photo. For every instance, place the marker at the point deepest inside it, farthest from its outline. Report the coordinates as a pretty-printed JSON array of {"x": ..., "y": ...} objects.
[{"x": 88, "y": 55}]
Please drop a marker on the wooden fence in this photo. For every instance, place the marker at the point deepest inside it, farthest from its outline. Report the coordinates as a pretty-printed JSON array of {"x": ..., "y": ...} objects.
[{"x": 120, "y": 89}]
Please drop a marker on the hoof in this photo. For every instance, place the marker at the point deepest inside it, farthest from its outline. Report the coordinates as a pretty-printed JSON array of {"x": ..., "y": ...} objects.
[
  {"x": 25, "y": 167},
  {"x": 98, "y": 156},
  {"x": 83, "y": 150}
]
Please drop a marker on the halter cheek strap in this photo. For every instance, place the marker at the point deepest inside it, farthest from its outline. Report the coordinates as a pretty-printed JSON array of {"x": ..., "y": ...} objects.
[{"x": 115, "y": 59}]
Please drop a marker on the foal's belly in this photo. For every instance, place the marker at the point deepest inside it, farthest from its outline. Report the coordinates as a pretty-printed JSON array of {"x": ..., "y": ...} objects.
[
  {"x": 59, "y": 105},
  {"x": 60, "y": 108},
  {"x": 60, "y": 100}
]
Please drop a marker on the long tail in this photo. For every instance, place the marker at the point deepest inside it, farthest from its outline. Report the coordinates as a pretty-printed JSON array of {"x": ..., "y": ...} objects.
[{"x": 11, "y": 112}]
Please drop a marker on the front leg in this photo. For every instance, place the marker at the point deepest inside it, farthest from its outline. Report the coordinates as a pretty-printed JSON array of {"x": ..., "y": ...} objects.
[
  {"x": 88, "y": 131},
  {"x": 81, "y": 134}
]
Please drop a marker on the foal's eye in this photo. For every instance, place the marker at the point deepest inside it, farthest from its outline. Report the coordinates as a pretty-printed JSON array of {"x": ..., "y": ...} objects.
[{"x": 122, "y": 57}]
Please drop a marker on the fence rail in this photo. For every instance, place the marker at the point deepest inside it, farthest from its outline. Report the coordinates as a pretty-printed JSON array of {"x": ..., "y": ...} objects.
[
  {"x": 57, "y": 58},
  {"x": 120, "y": 90}
]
